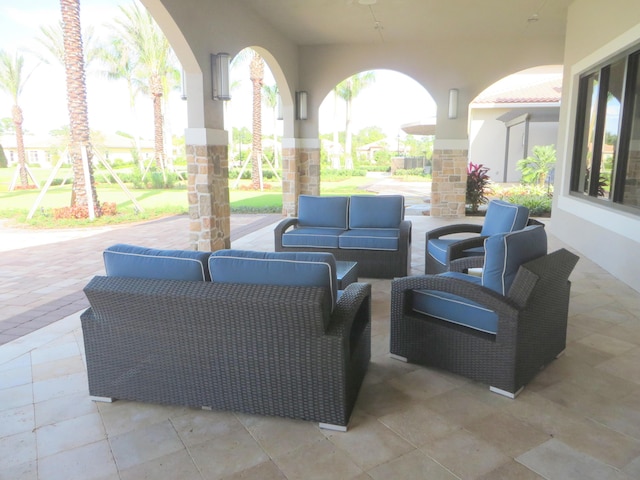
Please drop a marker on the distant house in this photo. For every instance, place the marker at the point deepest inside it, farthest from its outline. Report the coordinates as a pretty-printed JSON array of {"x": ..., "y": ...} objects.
[
  {"x": 45, "y": 150},
  {"x": 509, "y": 119}
]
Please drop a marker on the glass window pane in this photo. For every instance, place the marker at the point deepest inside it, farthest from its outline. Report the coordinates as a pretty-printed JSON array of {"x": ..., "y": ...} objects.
[
  {"x": 592, "y": 84},
  {"x": 611, "y": 129},
  {"x": 631, "y": 195}
]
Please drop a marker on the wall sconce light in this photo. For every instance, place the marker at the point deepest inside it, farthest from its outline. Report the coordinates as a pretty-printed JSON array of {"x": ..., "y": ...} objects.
[
  {"x": 220, "y": 76},
  {"x": 279, "y": 107},
  {"x": 183, "y": 84},
  {"x": 301, "y": 105},
  {"x": 453, "y": 103}
]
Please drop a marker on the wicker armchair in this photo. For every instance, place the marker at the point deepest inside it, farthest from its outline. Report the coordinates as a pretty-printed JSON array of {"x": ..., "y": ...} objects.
[
  {"x": 441, "y": 249},
  {"x": 528, "y": 330}
]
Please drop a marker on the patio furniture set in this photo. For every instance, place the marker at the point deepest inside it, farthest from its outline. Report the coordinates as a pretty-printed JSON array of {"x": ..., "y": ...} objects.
[{"x": 288, "y": 333}]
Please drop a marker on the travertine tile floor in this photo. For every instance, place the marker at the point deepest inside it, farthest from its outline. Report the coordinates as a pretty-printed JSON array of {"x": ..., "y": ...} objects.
[{"x": 579, "y": 419}]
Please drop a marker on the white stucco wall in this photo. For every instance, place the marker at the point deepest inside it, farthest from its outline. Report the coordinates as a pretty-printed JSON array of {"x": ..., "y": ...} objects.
[
  {"x": 609, "y": 237},
  {"x": 487, "y": 141}
]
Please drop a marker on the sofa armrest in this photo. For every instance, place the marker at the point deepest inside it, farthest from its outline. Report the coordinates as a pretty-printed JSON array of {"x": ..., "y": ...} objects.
[
  {"x": 354, "y": 306},
  {"x": 281, "y": 228}
]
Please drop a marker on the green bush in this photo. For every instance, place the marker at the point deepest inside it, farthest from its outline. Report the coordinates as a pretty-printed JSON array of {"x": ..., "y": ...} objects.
[
  {"x": 416, "y": 172},
  {"x": 538, "y": 205}
]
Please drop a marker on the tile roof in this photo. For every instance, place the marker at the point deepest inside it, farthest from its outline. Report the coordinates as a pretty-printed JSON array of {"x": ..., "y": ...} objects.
[{"x": 544, "y": 90}]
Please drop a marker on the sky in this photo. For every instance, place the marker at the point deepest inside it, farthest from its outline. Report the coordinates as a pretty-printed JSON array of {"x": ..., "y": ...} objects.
[{"x": 43, "y": 98}]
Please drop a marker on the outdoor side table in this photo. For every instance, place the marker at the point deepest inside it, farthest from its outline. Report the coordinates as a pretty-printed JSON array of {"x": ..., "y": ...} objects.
[{"x": 346, "y": 273}]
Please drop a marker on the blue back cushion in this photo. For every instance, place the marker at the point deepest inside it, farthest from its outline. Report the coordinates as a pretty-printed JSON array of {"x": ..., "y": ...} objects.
[
  {"x": 310, "y": 269},
  {"x": 328, "y": 212},
  {"x": 505, "y": 252},
  {"x": 122, "y": 260},
  {"x": 502, "y": 217},
  {"x": 381, "y": 211}
]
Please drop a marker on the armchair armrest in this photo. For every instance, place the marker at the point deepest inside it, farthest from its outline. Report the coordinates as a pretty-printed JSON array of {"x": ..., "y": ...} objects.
[
  {"x": 281, "y": 228},
  {"x": 505, "y": 308},
  {"x": 456, "y": 249},
  {"x": 451, "y": 229}
]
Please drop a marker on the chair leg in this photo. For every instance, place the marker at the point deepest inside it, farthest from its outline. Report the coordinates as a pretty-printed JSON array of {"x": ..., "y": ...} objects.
[
  {"x": 504, "y": 393},
  {"x": 331, "y": 426},
  {"x": 101, "y": 399},
  {"x": 398, "y": 357}
]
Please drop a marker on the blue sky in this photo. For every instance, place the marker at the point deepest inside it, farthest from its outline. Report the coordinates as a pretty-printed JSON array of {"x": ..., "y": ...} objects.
[{"x": 43, "y": 99}]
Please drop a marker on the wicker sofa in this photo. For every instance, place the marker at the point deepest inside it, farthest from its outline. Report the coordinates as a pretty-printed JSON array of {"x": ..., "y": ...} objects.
[
  {"x": 367, "y": 229},
  {"x": 499, "y": 329},
  {"x": 269, "y": 334}
]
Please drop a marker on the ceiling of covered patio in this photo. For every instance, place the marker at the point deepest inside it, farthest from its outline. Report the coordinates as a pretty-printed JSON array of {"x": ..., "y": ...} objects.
[{"x": 322, "y": 22}]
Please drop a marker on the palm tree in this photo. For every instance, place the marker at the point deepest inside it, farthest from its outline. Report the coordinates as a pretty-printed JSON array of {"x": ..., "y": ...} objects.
[
  {"x": 154, "y": 67},
  {"x": 52, "y": 39},
  {"x": 256, "y": 73},
  {"x": 119, "y": 63},
  {"x": 83, "y": 182},
  {"x": 348, "y": 90},
  {"x": 270, "y": 98},
  {"x": 12, "y": 81}
]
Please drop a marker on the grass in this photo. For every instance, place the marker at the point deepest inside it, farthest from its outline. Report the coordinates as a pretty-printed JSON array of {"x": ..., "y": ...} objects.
[{"x": 155, "y": 203}]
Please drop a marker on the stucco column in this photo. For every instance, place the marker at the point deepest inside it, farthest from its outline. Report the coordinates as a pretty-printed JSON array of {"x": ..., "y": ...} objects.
[
  {"x": 208, "y": 189},
  {"x": 449, "y": 177},
  {"x": 300, "y": 171}
]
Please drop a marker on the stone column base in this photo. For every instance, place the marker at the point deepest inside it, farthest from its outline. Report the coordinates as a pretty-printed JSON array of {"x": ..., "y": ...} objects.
[
  {"x": 208, "y": 194},
  {"x": 449, "y": 176},
  {"x": 300, "y": 172}
]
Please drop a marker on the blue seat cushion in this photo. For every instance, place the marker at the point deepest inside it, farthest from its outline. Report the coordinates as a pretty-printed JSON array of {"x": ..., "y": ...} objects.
[
  {"x": 122, "y": 260},
  {"x": 382, "y": 211},
  {"x": 455, "y": 309},
  {"x": 370, "y": 239},
  {"x": 326, "y": 212},
  {"x": 311, "y": 269},
  {"x": 502, "y": 217},
  {"x": 312, "y": 237},
  {"x": 437, "y": 248},
  {"x": 505, "y": 252}
]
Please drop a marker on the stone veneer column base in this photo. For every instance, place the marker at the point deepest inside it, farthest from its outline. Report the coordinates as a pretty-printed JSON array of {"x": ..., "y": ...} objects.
[
  {"x": 449, "y": 177},
  {"x": 208, "y": 193},
  {"x": 300, "y": 171}
]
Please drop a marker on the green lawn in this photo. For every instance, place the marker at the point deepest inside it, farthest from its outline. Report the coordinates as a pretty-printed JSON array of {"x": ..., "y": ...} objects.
[{"x": 154, "y": 202}]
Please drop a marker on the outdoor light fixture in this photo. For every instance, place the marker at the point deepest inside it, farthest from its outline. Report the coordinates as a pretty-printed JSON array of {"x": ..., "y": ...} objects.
[
  {"x": 183, "y": 85},
  {"x": 220, "y": 76},
  {"x": 301, "y": 105},
  {"x": 453, "y": 103}
]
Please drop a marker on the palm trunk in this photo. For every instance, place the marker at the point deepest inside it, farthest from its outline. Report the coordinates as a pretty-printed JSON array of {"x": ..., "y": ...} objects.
[
  {"x": 335, "y": 156},
  {"x": 348, "y": 160},
  {"x": 22, "y": 161},
  {"x": 77, "y": 107},
  {"x": 158, "y": 121}
]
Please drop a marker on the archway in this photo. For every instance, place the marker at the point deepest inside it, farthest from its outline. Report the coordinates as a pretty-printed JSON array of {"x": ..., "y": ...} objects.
[{"x": 511, "y": 117}]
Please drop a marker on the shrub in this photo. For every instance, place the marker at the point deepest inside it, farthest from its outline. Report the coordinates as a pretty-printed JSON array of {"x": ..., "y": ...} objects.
[{"x": 477, "y": 186}]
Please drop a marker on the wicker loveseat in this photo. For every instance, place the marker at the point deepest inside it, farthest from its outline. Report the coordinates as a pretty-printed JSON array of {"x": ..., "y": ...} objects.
[
  {"x": 500, "y": 329},
  {"x": 367, "y": 229},
  {"x": 247, "y": 341}
]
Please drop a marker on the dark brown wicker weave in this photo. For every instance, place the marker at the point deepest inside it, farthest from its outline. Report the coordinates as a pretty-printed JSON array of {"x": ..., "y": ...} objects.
[
  {"x": 457, "y": 249},
  {"x": 532, "y": 325},
  {"x": 268, "y": 350},
  {"x": 371, "y": 263}
]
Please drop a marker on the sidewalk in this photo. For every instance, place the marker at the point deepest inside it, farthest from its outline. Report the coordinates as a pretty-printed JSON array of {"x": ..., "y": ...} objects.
[{"x": 42, "y": 273}]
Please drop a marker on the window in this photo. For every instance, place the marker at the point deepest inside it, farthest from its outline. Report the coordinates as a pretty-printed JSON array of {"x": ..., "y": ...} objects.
[{"x": 606, "y": 156}]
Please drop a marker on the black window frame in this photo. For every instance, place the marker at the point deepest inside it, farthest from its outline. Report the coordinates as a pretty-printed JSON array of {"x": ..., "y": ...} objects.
[{"x": 632, "y": 60}]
